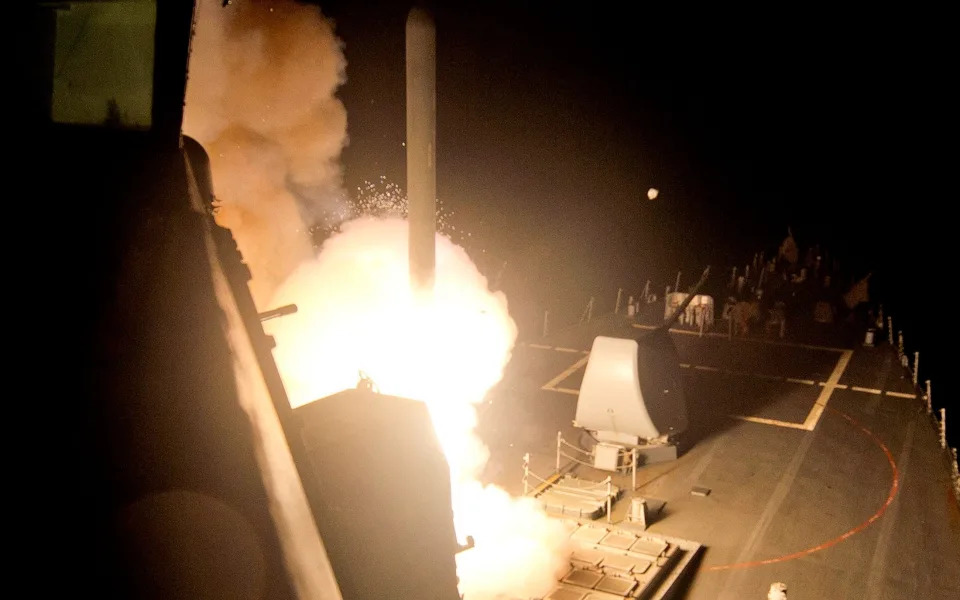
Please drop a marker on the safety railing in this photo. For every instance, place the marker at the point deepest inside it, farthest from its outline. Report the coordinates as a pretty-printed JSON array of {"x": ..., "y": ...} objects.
[
  {"x": 544, "y": 484},
  {"x": 938, "y": 417}
]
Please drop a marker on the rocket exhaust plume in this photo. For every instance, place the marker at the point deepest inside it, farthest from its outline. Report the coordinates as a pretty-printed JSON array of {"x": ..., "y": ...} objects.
[
  {"x": 261, "y": 101},
  {"x": 357, "y": 311},
  {"x": 421, "y": 147}
]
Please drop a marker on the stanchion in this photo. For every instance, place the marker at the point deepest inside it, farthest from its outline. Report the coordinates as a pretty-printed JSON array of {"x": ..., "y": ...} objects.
[
  {"x": 929, "y": 399},
  {"x": 526, "y": 472},
  {"x": 916, "y": 366},
  {"x": 559, "y": 441},
  {"x": 943, "y": 428},
  {"x": 609, "y": 494}
]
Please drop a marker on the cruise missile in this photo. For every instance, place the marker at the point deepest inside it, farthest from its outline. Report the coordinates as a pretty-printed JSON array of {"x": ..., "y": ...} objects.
[{"x": 421, "y": 147}]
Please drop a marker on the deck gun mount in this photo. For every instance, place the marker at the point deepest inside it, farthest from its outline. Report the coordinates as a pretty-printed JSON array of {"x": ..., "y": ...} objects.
[{"x": 632, "y": 395}]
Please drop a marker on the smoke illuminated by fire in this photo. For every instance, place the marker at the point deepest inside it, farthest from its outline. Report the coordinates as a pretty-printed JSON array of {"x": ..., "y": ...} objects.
[
  {"x": 261, "y": 100},
  {"x": 356, "y": 312}
]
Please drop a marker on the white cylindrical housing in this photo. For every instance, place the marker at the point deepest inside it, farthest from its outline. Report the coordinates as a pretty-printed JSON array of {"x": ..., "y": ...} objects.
[{"x": 421, "y": 147}]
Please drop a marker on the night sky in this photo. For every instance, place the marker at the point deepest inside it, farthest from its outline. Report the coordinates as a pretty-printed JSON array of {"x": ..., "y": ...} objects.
[{"x": 553, "y": 123}]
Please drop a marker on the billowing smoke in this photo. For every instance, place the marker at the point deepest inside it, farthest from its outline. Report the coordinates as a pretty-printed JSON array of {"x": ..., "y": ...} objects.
[
  {"x": 357, "y": 313},
  {"x": 260, "y": 98}
]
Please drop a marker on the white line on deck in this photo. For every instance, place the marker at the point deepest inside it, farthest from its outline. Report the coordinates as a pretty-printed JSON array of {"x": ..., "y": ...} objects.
[
  {"x": 552, "y": 384},
  {"x": 901, "y": 395},
  {"x": 803, "y": 381},
  {"x": 817, "y": 411},
  {"x": 839, "y": 386},
  {"x": 705, "y": 368},
  {"x": 874, "y": 391},
  {"x": 777, "y": 423},
  {"x": 556, "y": 348}
]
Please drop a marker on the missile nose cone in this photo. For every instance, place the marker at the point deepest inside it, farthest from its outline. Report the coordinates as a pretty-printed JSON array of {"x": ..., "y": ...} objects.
[{"x": 419, "y": 18}]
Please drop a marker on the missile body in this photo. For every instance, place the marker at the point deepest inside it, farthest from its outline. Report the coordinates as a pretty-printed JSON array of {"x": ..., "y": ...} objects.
[{"x": 421, "y": 147}]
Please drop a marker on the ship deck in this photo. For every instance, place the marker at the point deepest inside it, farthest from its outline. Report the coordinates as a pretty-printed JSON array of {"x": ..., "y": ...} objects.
[{"x": 824, "y": 469}]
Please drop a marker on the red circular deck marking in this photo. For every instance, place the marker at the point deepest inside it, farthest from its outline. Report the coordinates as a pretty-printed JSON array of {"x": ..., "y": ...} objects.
[{"x": 894, "y": 487}]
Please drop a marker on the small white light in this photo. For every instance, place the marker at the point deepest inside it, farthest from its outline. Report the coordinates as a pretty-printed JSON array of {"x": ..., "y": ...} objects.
[{"x": 652, "y": 193}]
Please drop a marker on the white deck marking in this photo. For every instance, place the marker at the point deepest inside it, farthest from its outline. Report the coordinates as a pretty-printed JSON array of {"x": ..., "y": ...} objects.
[
  {"x": 803, "y": 381},
  {"x": 705, "y": 368},
  {"x": 839, "y": 386},
  {"x": 901, "y": 395},
  {"x": 552, "y": 384},
  {"x": 816, "y": 412},
  {"x": 873, "y": 391},
  {"x": 775, "y": 422},
  {"x": 555, "y": 348}
]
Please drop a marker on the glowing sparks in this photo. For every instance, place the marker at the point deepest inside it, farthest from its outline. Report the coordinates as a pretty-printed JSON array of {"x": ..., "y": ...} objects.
[{"x": 383, "y": 199}]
